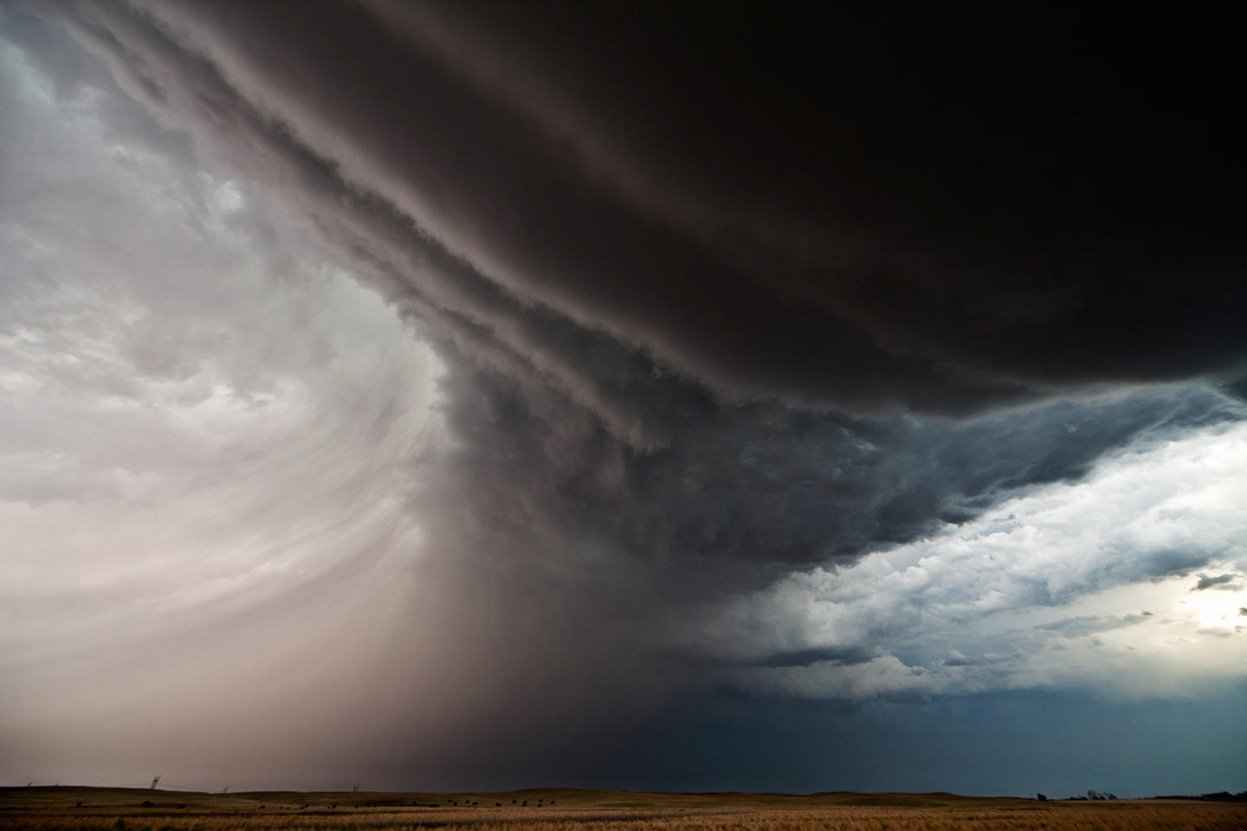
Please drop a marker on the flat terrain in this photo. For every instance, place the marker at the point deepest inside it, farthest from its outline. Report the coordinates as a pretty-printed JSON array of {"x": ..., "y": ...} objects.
[{"x": 54, "y": 809}]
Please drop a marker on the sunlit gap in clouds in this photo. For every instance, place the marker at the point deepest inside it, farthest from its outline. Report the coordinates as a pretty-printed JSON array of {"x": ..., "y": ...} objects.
[
  {"x": 1130, "y": 583},
  {"x": 216, "y": 445}
]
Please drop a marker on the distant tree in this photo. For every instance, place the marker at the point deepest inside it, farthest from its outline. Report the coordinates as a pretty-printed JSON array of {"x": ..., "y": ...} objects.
[{"x": 1041, "y": 797}]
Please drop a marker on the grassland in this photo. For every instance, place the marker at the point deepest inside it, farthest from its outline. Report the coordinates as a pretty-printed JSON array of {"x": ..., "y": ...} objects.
[{"x": 64, "y": 808}]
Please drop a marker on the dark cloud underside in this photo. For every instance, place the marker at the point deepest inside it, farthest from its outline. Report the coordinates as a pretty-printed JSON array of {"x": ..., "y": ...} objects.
[
  {"x": 518, "y": 254},
  {"x": 980, "y": 213}
]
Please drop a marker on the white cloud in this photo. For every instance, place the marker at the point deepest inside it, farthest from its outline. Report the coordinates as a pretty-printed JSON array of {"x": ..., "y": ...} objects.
[
  {"x": 1072, "y": 585},
  {"x": 200, "y": 432}
]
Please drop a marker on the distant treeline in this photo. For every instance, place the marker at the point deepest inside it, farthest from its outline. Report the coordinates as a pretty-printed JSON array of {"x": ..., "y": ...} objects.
[
  {"x": 1219, "y": 796},
  {"x": 1090, "y": 795}
]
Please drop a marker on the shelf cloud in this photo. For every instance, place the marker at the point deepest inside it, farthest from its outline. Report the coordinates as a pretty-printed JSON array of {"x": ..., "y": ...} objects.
[{"x": 440, "y": 390}]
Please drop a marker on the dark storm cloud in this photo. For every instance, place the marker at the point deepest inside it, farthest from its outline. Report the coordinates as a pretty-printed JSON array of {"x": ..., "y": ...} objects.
[
  {"x": 575, "y": 301},
  {"x": 939, "y": 184},
  {"x": 747, "y": 492},
  {"x": 1221, "y": 581},
  {"x": 1021, "y": 211},
  {"x": 726, "y": 295}
]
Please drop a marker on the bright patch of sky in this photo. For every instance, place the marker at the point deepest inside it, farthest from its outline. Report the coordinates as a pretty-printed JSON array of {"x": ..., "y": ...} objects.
[{"x": 1132, "y": 583}]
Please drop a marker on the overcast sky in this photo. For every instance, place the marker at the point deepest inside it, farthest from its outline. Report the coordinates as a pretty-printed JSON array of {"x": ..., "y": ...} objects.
[{"x": 478, "y": 395}]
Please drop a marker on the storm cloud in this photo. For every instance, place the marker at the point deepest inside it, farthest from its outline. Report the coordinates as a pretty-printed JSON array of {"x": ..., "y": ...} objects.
[
  {"x": 1020, "y": 219},
  {"x": 583, "y": 355}
]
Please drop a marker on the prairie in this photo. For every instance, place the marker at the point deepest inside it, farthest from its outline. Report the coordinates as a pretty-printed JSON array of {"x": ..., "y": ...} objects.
[{"x": 64, "y": 808}]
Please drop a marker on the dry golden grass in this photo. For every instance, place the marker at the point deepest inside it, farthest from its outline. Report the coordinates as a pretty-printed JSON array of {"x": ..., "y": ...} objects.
[{"x": 62, "y": 809}]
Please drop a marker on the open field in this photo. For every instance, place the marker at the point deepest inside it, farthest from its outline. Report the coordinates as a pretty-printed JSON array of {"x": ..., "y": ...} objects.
[{"x": 64, "y": 808}]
